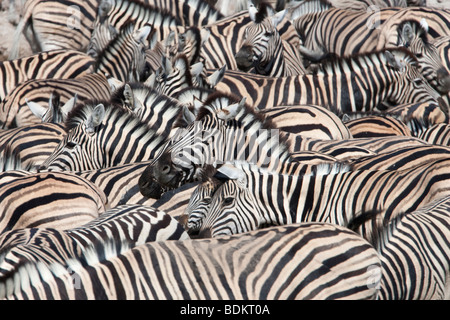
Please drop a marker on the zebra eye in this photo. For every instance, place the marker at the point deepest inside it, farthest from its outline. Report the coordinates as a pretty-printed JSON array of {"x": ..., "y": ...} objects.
[
  {"x": 71, "y": 145},
  {"x": 417, "y": 81},
  {"x": 268, "y": 34},
  {"x": 228, "y": 200},
  {"x": 419, "y": 55},
  {"x": 207, "y": 200}
]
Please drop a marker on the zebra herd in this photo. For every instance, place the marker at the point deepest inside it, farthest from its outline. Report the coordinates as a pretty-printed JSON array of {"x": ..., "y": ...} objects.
[{"x": 194, "y": 149}]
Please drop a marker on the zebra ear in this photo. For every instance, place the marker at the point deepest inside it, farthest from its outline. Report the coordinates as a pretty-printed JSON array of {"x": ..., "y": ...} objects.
[
  {"x": 95, "y": 118},
  {"x": 204, "y": 35},
  {"x": 407, "y": 33},
  {"x": 394, "y": 61},
  {"x": 129, "y": 96},
  {"x": 150, "y": 82},
  {"x": 198, "y": 104},
  {"x": 196, "y": 69},
  {"x": 228, "y": 171},
  {"x": 68, "y": 106},
  {"x": 424, "y": 25},
  {"x": 217, "y": 76},
  {"x": 278, "y": 17},
  {"x": 114, "y": 83},
  {"x": 38, "y": 110},
  {"x": 104, "y": 7},
  {"x": 252, "y": 11},
  {"x": 231, "y": 111},
  {"x": 188, "y": 115},
  {"x": 142, "y": 34}
]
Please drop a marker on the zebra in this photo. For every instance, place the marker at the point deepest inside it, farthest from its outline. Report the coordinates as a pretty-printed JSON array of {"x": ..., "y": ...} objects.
[
  {"x": 416, "y": 116},
  {"x": 392, "y": 76},
  {"x": 118, "y": 13},
  {"x": 62, "y": 64},
  {"x": 55, "y": 25},
  {"x": 57, "y": 200},
  {"x": 339, "y": 271},
  {"x": 264, "y": 50},
  {"x": 124, "y": 58},
  {"x": 377, "y": 126},
  {"x": 136, "y": 224},
  {"x": 309, "y": 121},
  {"x": 409, "y": 33},
  {"x": 34, "y": 143},
  {"x": 226, "y": 37},
  {"x": 226, "y": 128},
  {"x": 415, "y": 37},
  {"x": 14, "y": 111},
  {"x": 156, "y": 109},
  {"x": 439, "y": 134},
  {"x": 101, "y": 134},
  {"x": 334, "y": 194},
  {"x": 340, "y": 31},
  {"x": 414, "y": 253}
]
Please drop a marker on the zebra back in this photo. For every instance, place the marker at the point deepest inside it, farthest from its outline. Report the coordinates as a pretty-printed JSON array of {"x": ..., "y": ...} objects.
[
  {"x": 422, "y": 234},
  {"x": 49, "y": 199},
  {"x": 135, "y": 224},
  {"x": 308, "y": 121},
  {"x": 55, "y": 25},
  {"x": 377, "y": 126},
  {"x": 286, "y": 247},
  {"x": 59, "y": 64},
  {"x": 15, "y": 111},
  {"x": 34, "y": 143}
]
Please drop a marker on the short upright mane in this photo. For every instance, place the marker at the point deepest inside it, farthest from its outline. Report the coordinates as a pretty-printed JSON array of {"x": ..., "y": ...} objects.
[
  {"x": 250, "y": 115},
  {"x": 351, "y": 62}
]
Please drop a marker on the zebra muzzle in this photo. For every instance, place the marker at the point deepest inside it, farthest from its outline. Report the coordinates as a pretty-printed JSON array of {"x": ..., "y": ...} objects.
[{"x": 244, "y": 58}]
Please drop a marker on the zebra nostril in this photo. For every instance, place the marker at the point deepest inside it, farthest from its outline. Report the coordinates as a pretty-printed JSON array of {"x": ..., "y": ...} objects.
[{"x": 166, "y": 169}]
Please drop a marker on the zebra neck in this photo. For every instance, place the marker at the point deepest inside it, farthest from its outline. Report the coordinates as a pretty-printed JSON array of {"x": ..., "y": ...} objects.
[{"x": 275, "y": 67}]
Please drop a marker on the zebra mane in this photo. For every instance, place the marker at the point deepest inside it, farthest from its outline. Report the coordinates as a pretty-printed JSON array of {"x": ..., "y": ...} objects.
[
  {"x": 355, "y": 61},
  {"x": 125, "y": 31},
  {"x": 250, "y": 114},
  {"x": 146, "y": 8},
  {"x": 20, "y": 278},
  {"x": 264, "y": 8},
  {"x": 81, "y": 112},
  {"x": 140, "y": 91}
]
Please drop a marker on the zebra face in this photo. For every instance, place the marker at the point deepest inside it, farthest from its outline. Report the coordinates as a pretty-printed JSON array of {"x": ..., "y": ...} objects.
[
  {"x": 415, "y": 37},
  {"x": 199, "y": 204},
  {"x": 259, "y": 48},
  {"x": 232, "y": 211}
]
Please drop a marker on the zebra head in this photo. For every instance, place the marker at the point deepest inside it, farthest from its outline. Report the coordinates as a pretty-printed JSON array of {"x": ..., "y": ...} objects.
[
  {"x": 233, "y": 208},
  {"x": 174, "y": 76},
  {"x": 414, "y": 36},
  {"x": 410, "y": 85},
  {"x": 200, "y": 201},
  {"x": 124, "y": 58},
  {"x": 262, "y": 42},
  {"x": 102, "y": 135},
  {"x": 225, "y": 129}
]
